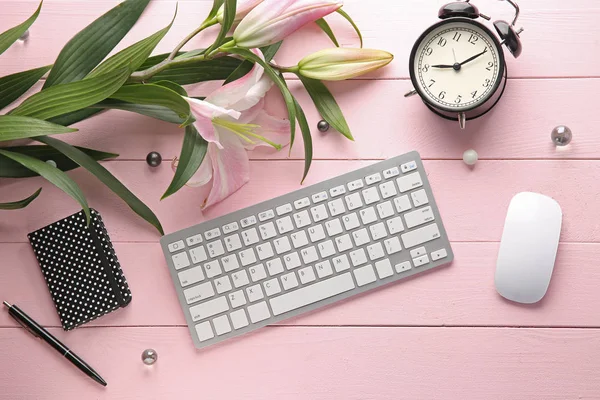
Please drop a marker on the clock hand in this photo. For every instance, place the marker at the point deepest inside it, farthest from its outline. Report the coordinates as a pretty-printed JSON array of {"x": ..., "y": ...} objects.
[
  {"x": 474, "y": 57},
  {"x": 442, "y": 66}
]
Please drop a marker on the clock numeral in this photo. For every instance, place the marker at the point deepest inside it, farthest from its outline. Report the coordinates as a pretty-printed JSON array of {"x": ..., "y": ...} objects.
[
  {"x": 425, "y": 68},
  {"x": 442, "y": 42},
  {"x": 432, "y": 82},
  {"x": 490, "y": 66},
  {"x": 428, "y": 51},
  {"x": 473, "y": 39},
  {"x": 457, "y": 36},
  {"x": 442, "y": 95},
  {"x": 487, "y": 83},
  {"x": 458, "y": 99},
  {"x": 473, "y": 94}
]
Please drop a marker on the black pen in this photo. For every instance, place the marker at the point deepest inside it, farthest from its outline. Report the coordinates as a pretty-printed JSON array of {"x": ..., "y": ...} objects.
[{"x": 36, "y": 330}]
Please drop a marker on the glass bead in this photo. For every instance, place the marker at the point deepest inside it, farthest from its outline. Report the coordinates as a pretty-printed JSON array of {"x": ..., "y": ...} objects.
[
  {"x": 470, "y": 157},
  {"x": 24, "y": 36},
  {"x": 323, "y": 126},
  {"x": 149, "y": 356},
  {"x": 51, "y": 162},
  {"x": 562, "y": 135}
]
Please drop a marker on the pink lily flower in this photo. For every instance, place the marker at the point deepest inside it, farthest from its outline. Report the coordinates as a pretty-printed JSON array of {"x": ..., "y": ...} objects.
[
  {"x": 243, "y": 7},
  {"x": 341, "y": 63},
  {"x": 233, "y": 120},
  {"x": 273, "y": 20}
]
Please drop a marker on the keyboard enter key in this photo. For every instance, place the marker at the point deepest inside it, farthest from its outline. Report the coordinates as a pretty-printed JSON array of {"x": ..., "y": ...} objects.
[{"x": 419, "y": 217}]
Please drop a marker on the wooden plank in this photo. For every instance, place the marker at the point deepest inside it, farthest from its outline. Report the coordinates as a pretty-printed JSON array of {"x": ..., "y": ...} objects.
[
  {"x": 461, "y": 294},
  {"x": 472, "y": 201},
  {"x": 319, "y": 363},
  {"x": 393, "y": 26}
]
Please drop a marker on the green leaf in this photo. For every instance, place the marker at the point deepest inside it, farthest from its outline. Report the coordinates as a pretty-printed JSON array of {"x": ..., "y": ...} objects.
[
  {"x": 228, "y": 18},
  {"x": 198, "y": 71},
  {"x": 13, "y": 127},
  {"x": 14, "y": 86},
  {"x": 173, "y": 86},
  {"x": 192, "y": 154},
  {"x": 326, "y": 105},
  {"x": 105, "y": 177},
  {"x": 152, "y": 61},
  {"x": 69, "y": 97},
  {"x": 214, "y": 10},
  {"x": 89, "y": 47},
  {"x": 349, "y": 19},
  {"x": 21, "y": 203},
  {"x": 8, "y": 37},
  {"x": 306, "y": 138},
  {"x": 245, "y": 67},
  {"x": 54, "y": 175},
  {"x": 158, "y": 112},
  {"x": 12, "y": 169},
  {"x": 327, "y": 29},
  {"x": 270, "y": 50},
  {"x": 76, "y": 116},
  {"x": 134, "y": 55}
]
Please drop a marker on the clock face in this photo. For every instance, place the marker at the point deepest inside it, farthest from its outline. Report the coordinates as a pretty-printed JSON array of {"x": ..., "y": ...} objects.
[{"x": 457, "y": 65}]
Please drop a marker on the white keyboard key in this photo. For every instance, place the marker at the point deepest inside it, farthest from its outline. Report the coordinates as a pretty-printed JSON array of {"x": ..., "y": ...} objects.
[
  {"x": 378, "y": 231},
  {"x": 371, "y": 179},
  {"x": 334, "y": 227},
  {"x": 343, "y": 243},
  {"x": 409, "y": 182},
  {"x": 336, "y": 207},
  {"x": 194, "y": 240},
  {"x": 232, "y": 227},
  {"x": 246, "y": 222},
  {"x": 239, "y": 319},
  {"x": 326, "y": 249},
  {"x": 418, "y": 252},
  {"x": 284, "y": 209},
  {"x": 266, "y": 215},
  {"x": 421, "y": 260},
  {"x": 223, "y": 284},
  {"x": 319, "y": 197},
  {"x": 319, "y": 213},
  {"x": 258, "y": 312},
  {"x": 212, "y": 269},
  {"x": 275, "y": 266},
  {"x": 237, "y": 299},
  {"x": 395, "y": 225},
  {"x": 212, "y": 234},
  {"x": 364, "y": 275},
  {"x": 289, "y": 281},
  {"x": 439, "y": 254},
  {"x": 181, "y": 260},
  {"x": 420, "y": 236},
  {"x": 267, "y": 231},
  {"x": 368, "y": 215},
  {"x": 392, "y": 245},
  {"x": 354, "y": 185},
  {"x": 221, "y": 325},
  {"x": 351, "y": 221},
  {"x": 419, "y": 217},
  {"x": 385, "y": 209},
  {"x": 250, "y": 236},
  {"x": 257, "y": 272},
  {"x": 302, "y": 219},
  {"x": 175, "y": 246},
  {"x": 371, "y": 195},
  {"x": 419, "y": 198},
  {"x": 233, "y": 242},
  {"x": 299, "y": 239},
  {"x": 230, "y": 263},
  {"x": 361, "y": 237},
  {"x": 202, "y": 291},
  {"x": 204, "y": 331},
  {"x": 358, "y": 257},
  {"x": 240, "y": 278},
  {"x": 301, "y": 203},
  {"x": 316, "y": 233},
  {"x": 341, "y": 263},
  {"x": 198, "y": 254},
  {"x": 402, "y": 267},
  {"x": 191, "y": 276},
  {"x": 292, "y": 260},
  {"x": 282, "y": 245},
  {"x": 384, "y": 269},
  {"x": 307, "y": 275},
  {"x": 272, "y": 287},
  {"x": 264, "y": 251},
  {"x": 409, "y": 166},
  {"x": 402, "y": 203},
  {"x": 337, "y": 191},
  {"x": 311, "y": 294},
  {"x": 388, "y": 189},
  {"x": 254, "y": 293},
  {"x": 324, "y": 269},
  {"x": 309, "y": 255},
  {"x": 215, "y": 249},
  {"x": 247, "y": 257},
  {"x": 390, "y": 173},
  {"x": 375, "y": 251},
  {"x": 353, "y": 201}
]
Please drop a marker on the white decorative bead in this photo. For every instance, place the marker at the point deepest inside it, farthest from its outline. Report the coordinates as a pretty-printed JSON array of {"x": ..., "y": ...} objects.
[
  {"x": 470, "y": 157},
  {"x": 51, "y": 162},
  {"x": 149, "y": 356}
]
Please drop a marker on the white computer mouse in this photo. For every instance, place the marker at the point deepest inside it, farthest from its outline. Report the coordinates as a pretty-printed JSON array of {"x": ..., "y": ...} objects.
[{"x": 528, "y": 247}]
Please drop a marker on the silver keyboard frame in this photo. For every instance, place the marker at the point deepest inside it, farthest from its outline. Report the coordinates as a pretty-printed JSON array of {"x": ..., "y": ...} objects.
[{"x": 396, "y": 258}]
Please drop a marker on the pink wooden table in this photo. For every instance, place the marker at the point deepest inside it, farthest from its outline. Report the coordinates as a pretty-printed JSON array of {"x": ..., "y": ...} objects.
[{"x": 446, "y": 335}]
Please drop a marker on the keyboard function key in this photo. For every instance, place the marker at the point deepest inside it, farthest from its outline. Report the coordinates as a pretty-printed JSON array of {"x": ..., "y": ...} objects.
[
  {"x": 439, "y": 254},
  {"x": 258, "y": 312},
  {"x": 204, "y": 331},
  {"x": 201, "y": 292},
  {"x": 181, "y": 260},
  {"x": 232, "y": 227},
  {"x": 266, "y": 215},
  {"x": 194, "y": 240},
  {"x": 191, "y": 276},
  {"x": 402, "y": 267},
  {"x": 371, "y": 179},
  {"x": 175, "y": 246},
  {"x": 209, "y": 308},
  {"x": 409, "y": 182},
  {"x": 239, "y": 319},
  {"x": 355, "y": 185},
  {"x": 409, "y": 166},
  {"x": 337, "y": 191},
  {"x": 246, "y": 222},
  {"x": 319, "y": 197},
  {"x": 221, "y": 325},
  {"x": 213, "y": 233},
  {"x": 421, "y": 260},
  {"x": 364, "y": 275},
  {"x": 419, "y": 217},
  {"x": 384, "y": 269},
  {"x": 419, "y": 198},
  {"x": 418, "y": 252},
  {"x": 301, "y": 203},
  {"x": 284, "y": 209},
  {"x": 390, "y": 173}
]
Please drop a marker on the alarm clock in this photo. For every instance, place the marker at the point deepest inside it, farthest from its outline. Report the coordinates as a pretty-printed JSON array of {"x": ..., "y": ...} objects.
[{"x": 457, "y": 66}]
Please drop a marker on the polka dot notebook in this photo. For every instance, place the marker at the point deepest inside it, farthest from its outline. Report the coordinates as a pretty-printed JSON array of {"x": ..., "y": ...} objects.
[{"x": 81, "y": 269}]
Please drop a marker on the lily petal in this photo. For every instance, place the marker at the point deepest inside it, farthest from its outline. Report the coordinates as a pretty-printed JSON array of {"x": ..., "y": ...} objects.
[
  {"x": 202, "y": 176},
  {"x": 205, "y": 112},
  {"x": 274, "y": 129}
]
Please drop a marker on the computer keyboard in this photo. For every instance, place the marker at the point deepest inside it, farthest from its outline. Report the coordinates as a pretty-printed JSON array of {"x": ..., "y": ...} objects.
[{"x": 306, "y": 249}]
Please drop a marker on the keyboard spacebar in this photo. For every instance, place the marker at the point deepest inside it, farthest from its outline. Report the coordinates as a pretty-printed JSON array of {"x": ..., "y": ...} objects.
[{"x": 311, "y": 294}]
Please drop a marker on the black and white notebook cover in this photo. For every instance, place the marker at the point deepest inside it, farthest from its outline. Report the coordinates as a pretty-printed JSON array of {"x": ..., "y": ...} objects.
[{"x": 81, "y": 269}]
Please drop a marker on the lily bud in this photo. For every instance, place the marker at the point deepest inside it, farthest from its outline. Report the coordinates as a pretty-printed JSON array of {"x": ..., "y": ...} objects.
[
  {"x": 272, "y": 20},
  {"x": 242, "y": 9},
  {"x": 338, "y": 63}
]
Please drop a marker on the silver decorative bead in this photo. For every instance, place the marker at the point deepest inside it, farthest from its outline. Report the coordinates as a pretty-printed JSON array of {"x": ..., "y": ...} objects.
[
  {"x": 470, "y": 157},
  {"x": 149, "y": 356},
  {"x": 24, "y": 36},
  {"x": 51, "y": 162},
  {"x": 323, "y": 126},
  {"x": 562, "y": 135}
]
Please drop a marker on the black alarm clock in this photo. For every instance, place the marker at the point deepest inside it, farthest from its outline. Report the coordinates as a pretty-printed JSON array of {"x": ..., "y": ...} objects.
[{"x": 457, "y": 66}]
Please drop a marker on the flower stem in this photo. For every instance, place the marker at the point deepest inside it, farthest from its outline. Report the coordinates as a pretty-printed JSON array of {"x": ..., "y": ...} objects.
[
  {"x": 146, "y": 74},
  {"x": 189, "y": 37}
]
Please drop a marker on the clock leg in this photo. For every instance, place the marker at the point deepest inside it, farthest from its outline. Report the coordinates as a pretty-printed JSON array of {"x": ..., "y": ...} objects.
[
  {"x": 411, "y": 93},
  {"x": 462, "y": 120}
]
